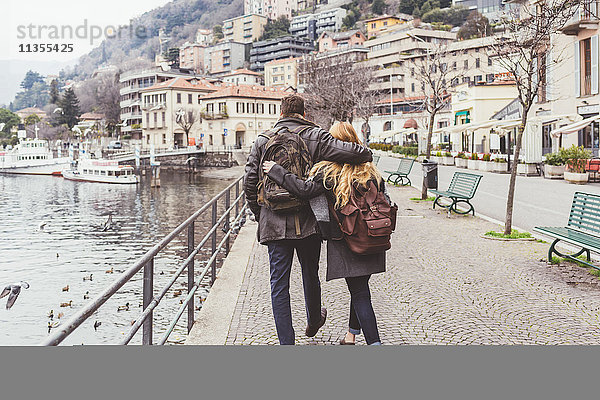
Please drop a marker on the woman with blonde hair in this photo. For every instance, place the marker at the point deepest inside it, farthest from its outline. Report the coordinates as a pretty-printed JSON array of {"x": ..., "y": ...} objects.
[{"x": 337, "y": 182}]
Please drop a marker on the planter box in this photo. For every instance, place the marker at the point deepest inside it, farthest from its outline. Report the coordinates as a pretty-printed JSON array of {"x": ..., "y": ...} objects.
[
  {"x": 577, "y": 178},
  {"x": 448, "y": 160},
  {"x": 554, "y": 171},
  {"x": 526, "y": 169},
  {"x": 436, "y": 159},
  {"x": 500, "y": 167},
  {"x": 486, "y": 166},
  {"x": 473, "y": 164},
  {"x": 460, "y": 162}
]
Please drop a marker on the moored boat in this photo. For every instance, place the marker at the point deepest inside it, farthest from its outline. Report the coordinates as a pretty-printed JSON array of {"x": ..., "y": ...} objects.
[
  {"x": 32, "y": 157},
  {"x": 99, "y": 170}
]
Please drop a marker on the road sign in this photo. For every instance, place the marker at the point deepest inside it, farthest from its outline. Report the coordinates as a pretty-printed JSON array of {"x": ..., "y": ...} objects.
[{"x": 224, "y": 131}]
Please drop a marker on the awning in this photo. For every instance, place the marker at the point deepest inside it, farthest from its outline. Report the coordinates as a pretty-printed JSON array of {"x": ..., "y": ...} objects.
[
  {"x": 574, "y": 127},
  {"x": 465, "y": 112}
]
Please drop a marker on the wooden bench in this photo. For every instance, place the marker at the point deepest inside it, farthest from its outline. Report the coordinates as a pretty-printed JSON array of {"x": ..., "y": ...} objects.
[
  {"x": 400, "y": 176},
  {"x": 461, "y": 190},
  {"x": 582, "y": 230}
]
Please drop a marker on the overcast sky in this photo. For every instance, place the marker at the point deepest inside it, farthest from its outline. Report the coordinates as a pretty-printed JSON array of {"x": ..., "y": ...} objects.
[{"x": 101, "y": 13}]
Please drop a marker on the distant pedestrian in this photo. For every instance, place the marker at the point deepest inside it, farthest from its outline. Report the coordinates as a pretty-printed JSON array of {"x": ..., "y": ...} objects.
[
  {"x": 344, "y": 186},
  {"x": 286, "y": 225}
]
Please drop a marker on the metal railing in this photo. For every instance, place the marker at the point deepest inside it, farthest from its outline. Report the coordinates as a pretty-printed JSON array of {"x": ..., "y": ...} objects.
[{"x": 146, "y": 262}]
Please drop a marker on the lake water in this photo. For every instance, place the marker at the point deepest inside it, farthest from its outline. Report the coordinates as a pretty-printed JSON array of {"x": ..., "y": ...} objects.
[{"x": 72, "y": 245}]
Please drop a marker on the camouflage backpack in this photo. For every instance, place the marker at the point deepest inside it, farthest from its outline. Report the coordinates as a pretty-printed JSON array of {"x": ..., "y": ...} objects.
[{"x": 288, "y": 149}]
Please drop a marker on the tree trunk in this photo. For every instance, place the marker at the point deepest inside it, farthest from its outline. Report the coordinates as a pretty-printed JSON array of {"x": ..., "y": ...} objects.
[
  {"x": 428, "y": 152},
  {"x": 513, "y": 176}
]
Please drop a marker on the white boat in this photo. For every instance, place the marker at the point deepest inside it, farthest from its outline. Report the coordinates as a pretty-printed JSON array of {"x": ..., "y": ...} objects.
[
  {"x": 32, "y": 156},
  {"x": 99, "y": 170}
]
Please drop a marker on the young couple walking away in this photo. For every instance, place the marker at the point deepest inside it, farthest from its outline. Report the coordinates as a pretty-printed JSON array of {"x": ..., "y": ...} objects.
[{"x": 305, "y": 185}]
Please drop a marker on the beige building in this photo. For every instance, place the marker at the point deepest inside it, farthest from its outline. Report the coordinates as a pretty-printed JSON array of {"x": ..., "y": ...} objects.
[
  {"x": 282, "y": 73},
  {"x": 243, "y": 77},
  {"x": 234, "y": 115},
  {"x": 191, "y": 56},
  {"x": 163, "y": 103},
  {"x": 244, "y": 29}
]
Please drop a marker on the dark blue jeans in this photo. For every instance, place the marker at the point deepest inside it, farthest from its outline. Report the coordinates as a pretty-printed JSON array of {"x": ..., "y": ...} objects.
[
  {"x": 361, "y": 309},
  {"x": 281, "y": 254}
]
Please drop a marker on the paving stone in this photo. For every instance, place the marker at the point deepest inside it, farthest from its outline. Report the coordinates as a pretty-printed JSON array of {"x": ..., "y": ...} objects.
[{"x": 444, "y": 285}]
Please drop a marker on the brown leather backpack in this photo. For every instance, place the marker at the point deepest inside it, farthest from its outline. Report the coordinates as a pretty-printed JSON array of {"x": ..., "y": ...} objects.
[{"x": 368, "y": 220}]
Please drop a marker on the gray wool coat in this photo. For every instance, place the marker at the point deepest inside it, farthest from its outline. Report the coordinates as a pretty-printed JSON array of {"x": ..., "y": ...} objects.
[{"x": 341, "y": 261}]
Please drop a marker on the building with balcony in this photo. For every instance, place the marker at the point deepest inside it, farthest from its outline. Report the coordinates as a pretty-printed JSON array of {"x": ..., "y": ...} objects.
[
  {"x": 244, "y": 29},
  {"x": 276, "y": 49},
  {"x": 491, "y": 9},
  {"x": 164, "y": 103},
  {"x": 272, "y": 9},
  {"x": 340, "y": 40},
  {"x": 191, "y": 56},
  {"x": 304, "y": 26},
  {"x": 131, "y": 83},
  {"x": 330, "y": 20},
  {"x": 234, "y": 115},
  {"x": 224, "y": 57},
  {"x": 282, "y": 73},
  {"x": 204, "y": 37},
  {"x": 380, "y": 25},
  {"x": 243, "y": 77}
]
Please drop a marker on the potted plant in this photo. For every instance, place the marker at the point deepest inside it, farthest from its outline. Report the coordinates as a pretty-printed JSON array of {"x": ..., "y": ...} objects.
[
  {"x": 500, "y": 165},
  {"x": 448, "y": 159},
  {"x": 461, "y": 160},
  {"x": 575, "y": 159},
  {"x": 526, "y": 169},
  {"x": 486, "y": 163},
  {"x": 473, "y": 161},
  {"x": 554, "y": 168}
]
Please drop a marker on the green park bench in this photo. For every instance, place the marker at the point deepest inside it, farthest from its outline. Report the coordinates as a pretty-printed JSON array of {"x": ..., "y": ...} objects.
[
  {"x": 400, "y": 176},
  {"x": 462, "y": 189},
  {"x": 582, "y": 230}
]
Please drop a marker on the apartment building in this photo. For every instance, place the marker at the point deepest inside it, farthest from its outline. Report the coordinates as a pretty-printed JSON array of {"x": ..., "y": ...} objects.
[
  {"x": 275, "y": 49},
  {"x": 164, "y": 103},
  {"x": 282, "y": 73},
  {"x": 330, "y": 20},
  {"x": 304, "y": 26},
  {"x": 191, "y": 56},
  {"x": 330, "y": 40},
  {"x": 224, "y": 57},
  {"x": 491, "y": 9},
  {"x": 272, "y": 9},
  {"x": 131, "y": 83},
  {"x": 243, "y": 77},
  {"x": 244, "y": 29},
  {"x": 234, "y": 115}
]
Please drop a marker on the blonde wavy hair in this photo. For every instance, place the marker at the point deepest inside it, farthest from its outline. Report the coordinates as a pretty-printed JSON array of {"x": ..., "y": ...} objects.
[{"x": 341, "y": 178}]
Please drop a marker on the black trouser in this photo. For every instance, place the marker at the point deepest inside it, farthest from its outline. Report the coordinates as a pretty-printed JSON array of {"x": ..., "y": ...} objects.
[
  {"x": 361, "y": 309},
  {"x": 281, "y": 254}
]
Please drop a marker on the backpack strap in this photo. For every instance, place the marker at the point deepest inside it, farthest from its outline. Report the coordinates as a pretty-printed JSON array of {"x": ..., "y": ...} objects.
[
  {"x": 269, "y": 134},
  {"x": 301, "y": 129}
]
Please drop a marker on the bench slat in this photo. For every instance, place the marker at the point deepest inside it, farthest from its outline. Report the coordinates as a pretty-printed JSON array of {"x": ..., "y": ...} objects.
[{"x": 579, "y": 238}]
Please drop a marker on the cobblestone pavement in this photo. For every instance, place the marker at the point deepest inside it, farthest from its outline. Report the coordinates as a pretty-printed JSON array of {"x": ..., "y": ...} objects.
[{"x": 445, "y": 284}]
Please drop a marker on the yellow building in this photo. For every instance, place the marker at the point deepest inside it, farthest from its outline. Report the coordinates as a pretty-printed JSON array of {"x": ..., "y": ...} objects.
[
  {"x": 381, "y": 24},
  {"x": 282, "y": 73},
  {"x": 244, "y": 29}
]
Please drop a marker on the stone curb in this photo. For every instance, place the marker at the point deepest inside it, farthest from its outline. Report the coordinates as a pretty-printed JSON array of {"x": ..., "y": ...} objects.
[{"x": 214, "y": 319}]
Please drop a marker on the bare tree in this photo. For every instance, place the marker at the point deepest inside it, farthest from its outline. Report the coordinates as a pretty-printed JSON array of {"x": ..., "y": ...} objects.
[
  {"x": 366, "y": 105},
  {"x": 522, "y": 52},
  {"x": 186, "y": 119},
  {"x": 335, "y": 87},
  {"x": 436, "y": 80}
]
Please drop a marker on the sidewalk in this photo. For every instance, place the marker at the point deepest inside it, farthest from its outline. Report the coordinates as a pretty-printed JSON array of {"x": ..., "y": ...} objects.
[{"x": 445, "y": 284}]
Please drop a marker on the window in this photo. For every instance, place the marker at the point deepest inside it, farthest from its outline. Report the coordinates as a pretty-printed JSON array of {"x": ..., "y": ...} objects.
[
  {"x": 164, "y": 138},
  {"x": 489, "y": 62},
  {"x": 477, "y": 63},
  {"x": 210, "y": 140},
  {"x": 178, "y": 98},
  {"x": 388, "y": 125},
  {"x": 222, "y": 108},
  {"x": 477, "y": 78},
  {"x": 199, "y": 99},
  {"x": 466, "y": 64},
  {"x": 454, "y": 65},
  {"x": 412, "y": 87},
  {"x": 190, "y": 99},
  {"x": 373, "y": 25},
  {"x": 586, "y": 70},
  {"x": 489, "y": 78},
  {"x": 147, "y": 120},
  {"x": 155, "y": 120},
  {"x": 164, "y": 118},
  {"x": 384, "y": 23},
  {"x": 210, "y": 108}
]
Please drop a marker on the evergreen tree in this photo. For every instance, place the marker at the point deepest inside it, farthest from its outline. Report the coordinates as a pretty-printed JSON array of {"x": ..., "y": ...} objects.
[
  {"x": 9, "y": 119},
  {"x": 70, "y": 112},
  {"x": 276, "y": 28},
  {"x": 54, "y": 95},
  {"x": 30, "y": 79},
  {"x": 378, "y": 7}
]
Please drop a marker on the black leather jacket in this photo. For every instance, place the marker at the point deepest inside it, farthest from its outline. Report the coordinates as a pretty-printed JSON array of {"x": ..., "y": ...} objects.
[{"x": 322, "y": 146}]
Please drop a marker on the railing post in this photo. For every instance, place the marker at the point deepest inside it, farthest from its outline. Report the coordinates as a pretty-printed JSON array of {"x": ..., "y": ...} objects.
[
  {"x": 237, "y": 194},
  {"x": 227, "y": 225},
  {"x": 190, "y": 269},
  {"x": 148, "y": 294},
  {"x": 213, "y": 267}
]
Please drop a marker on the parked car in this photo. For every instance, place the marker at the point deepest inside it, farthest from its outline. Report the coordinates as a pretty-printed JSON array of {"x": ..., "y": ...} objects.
[{"x": 115, "y": 144}]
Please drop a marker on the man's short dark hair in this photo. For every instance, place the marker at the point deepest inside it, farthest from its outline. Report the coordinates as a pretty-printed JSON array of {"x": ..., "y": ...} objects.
[{"x": 292, "y": 104}]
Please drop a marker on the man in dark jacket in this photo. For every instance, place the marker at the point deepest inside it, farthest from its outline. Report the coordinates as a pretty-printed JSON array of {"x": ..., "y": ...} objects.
[{"x": 284, "y": 233}]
